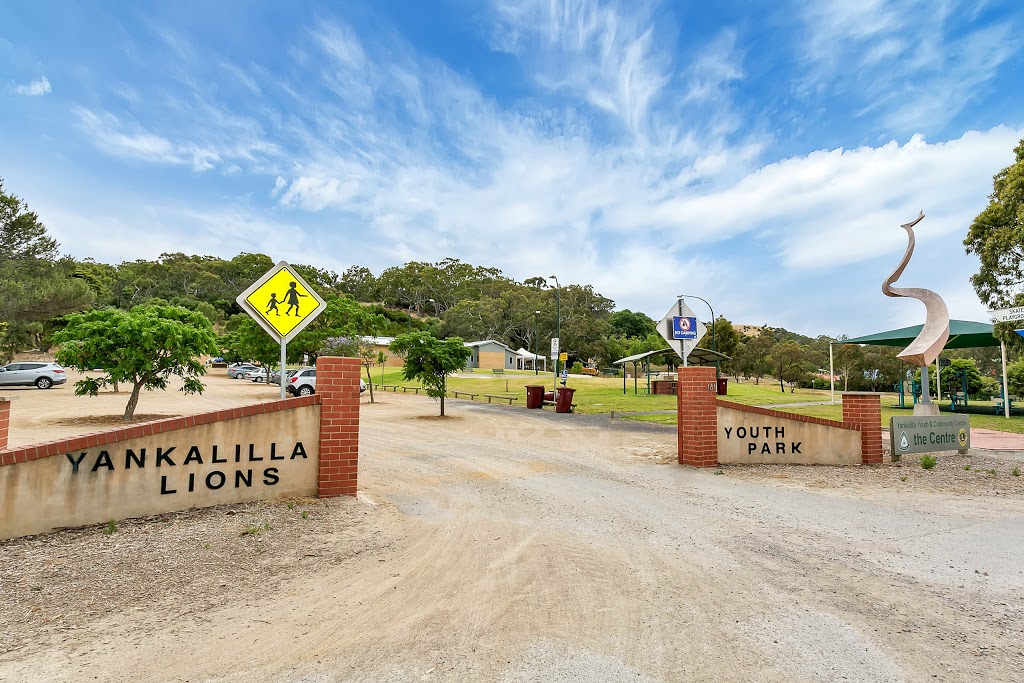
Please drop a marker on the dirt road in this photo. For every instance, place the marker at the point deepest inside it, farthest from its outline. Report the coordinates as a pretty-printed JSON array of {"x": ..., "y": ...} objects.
[{"x": 506, "y": 545}]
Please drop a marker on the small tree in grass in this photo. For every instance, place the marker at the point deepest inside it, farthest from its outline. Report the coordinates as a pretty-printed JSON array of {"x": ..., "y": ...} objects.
[
  {"x": 144, "y": 346},
  {"x": 431, "y": 360}
]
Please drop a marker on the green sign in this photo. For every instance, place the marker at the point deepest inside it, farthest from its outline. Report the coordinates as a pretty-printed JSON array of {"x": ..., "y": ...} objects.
[{"x": 929, "y": 434}]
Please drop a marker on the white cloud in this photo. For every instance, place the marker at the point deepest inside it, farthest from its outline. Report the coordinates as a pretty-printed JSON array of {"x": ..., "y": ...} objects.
[
  {"x": 379, "y": 154},
  {"x": 33, "y": 89},
  {"x": 917, "y": 64},
  {"x": 226, "y": 141}
]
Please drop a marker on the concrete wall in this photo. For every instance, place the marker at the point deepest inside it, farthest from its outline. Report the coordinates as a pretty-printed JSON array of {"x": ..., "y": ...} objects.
[
  {"x": 296, "y": 447},
  {"x": 751, "y": 435},
  {"x": 711, "y": 432},
  {"x": 259, "y": 456}
]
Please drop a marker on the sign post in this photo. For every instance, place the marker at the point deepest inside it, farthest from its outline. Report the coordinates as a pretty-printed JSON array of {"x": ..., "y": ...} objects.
[
  {"x": 681, "y": 329},
  {"x": 1007, "y": 315},
  {"x": 554, "y": 358},
  {"x": 276, "y": 302}
]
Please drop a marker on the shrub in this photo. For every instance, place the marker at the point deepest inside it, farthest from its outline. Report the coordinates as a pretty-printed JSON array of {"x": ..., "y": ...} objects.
[
  {"x": 928, "y": 461},
  {"x": 577, "y": 368}
]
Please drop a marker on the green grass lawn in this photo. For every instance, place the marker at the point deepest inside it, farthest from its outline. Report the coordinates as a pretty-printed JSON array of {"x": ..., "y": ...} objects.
[{"x": 603, "y": 394}]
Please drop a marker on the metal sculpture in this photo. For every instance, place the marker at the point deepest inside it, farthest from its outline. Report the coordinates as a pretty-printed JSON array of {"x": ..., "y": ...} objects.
[{"x": 929, "y": 343}]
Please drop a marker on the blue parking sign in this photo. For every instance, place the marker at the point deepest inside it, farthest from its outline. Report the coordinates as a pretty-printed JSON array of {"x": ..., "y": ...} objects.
[{"x": 684, "y": 328}]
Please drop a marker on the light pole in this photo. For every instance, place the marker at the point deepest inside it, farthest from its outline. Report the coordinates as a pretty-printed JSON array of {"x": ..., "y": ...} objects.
[
  {"x": 714, "y": 341},
  {"x": 535, "y": 336},
  {"x": 558, "y": 325}
]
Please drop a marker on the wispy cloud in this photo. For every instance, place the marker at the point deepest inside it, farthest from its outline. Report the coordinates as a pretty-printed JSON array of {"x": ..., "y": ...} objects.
[
  {"x": 916, "y": 64},
  {"x": 33, "y": 88}
]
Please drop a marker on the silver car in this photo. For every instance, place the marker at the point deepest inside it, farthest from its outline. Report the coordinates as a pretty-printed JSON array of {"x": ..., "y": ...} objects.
[{"x": 42, "y": 375}]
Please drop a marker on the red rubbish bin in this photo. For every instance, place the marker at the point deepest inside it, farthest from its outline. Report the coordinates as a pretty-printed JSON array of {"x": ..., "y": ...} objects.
[
  {"x": 563, "y": 404},
  {"x": 723, "y": 386},
  {"x": 549, "y": 396},
  {"x": 534, "y": 396}
]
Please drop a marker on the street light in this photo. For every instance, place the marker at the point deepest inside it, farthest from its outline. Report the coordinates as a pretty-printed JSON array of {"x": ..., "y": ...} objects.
[
  {"x": 558, "y": 325},
  {"x": 535, "y": 335},
  {"x": 714, "y": 341}
]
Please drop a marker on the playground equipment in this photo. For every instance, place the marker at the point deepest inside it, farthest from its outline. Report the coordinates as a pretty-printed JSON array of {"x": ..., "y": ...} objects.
[{"x": 958, "y": 397}]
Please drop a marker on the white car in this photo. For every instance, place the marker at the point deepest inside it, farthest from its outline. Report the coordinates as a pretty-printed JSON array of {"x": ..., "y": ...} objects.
[
  {"x": 256, "y": 375},
  {"x": 303, "y": 383}
]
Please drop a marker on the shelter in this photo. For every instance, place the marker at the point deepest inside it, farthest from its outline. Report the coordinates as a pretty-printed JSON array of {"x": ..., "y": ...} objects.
[
  {"x": 698, "y": 356},
  {"x": 963, "y": 334},
  {"x": 527, "y": 360}
]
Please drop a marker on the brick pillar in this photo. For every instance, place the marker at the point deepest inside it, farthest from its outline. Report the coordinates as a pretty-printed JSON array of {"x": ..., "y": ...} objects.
[
  {"x": 337, "y": 384},
  {"x": 5, "y": 421},
  {"x": 696, "y": 397},
  {"x": 864, "y": 409}
]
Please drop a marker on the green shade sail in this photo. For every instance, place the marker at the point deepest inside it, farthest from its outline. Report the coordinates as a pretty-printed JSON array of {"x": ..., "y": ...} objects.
[{"x": 963, "y": 334}]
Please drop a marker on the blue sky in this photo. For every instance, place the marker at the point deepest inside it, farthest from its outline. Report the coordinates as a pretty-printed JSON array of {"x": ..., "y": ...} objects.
[{"x": 759, "y": 154}]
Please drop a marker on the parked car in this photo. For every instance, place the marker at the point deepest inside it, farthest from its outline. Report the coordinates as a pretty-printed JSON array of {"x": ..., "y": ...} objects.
[
  {"x": 303, "y": 383},
  {"x": 42, "y": 375},
  {"x": 258, "y": 375},
  {"x": 275, "y": 376},
  {"x": 236, "y": 371}
]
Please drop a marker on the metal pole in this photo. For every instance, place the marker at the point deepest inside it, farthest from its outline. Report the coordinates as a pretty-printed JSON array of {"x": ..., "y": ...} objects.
[
  {"x": 535, "y": 335},
  {"x": 284, "y": 376},
  {"x": 558, "y": 330},
  {"x": 831, "y": 373},
  {"x": 938, "y": 381},
  {"x": 1006, "y": 387}
]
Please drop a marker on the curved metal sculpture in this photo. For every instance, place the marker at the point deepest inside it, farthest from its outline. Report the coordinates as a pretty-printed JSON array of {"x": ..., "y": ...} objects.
[{"x": 927, "y": 346}]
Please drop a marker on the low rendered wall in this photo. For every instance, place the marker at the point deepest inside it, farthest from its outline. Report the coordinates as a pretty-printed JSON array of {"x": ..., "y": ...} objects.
[
  {"x": 711, "y": 432},
  {"x": 751, "y": 435},
  {"x": 257, "y": 452},
  {"x": 294, "y": 447}
]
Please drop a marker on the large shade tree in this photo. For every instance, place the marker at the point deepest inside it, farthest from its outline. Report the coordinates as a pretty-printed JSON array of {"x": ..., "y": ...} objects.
[
  {"x": 37, "y": 284},
  {"x": 997, "y": 237},
  {"x": 145, "y": 347}
]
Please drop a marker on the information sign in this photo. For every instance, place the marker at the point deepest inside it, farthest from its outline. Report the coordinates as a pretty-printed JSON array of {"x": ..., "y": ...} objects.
[{"x": 929, "y": 434}]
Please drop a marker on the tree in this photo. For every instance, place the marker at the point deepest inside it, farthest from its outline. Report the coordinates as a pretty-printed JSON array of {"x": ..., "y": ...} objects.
[
  {"x": 145, "y": 346},
  {"x": 788, "y": 361},
  {"x": 727, "y": 339},
  {"x": 1015, "y": 377},
  {"x": 752, "y": 356},
  {"x": 951, "y": 380},
  {"x": 631, "y": 325},
  {"x": 848, "y": 357},
  {"x": 431, "y": 360},
  {"x": 36, "y": 283},
  {"x": 997, "y": 237},
  {"x": 247, "y": 341}
]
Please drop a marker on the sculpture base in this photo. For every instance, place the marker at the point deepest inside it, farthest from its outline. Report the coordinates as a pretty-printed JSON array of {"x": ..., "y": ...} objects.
[{"x": 926, "y": 409}]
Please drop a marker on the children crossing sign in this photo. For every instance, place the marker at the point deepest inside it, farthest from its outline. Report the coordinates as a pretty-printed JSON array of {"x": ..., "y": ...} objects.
[{"x": 281, "y": 302}]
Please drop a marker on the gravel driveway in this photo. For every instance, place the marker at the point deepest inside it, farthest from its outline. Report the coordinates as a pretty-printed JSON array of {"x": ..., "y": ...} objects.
[{"x": 509, "y": 545}]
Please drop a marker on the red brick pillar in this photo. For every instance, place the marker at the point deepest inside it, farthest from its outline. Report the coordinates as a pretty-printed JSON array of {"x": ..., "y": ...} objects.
[
  {"x": 337, "y": 384},
  {"x": 5, "y": 421},
  {"x": 696, "y": 397},
  {"x": 864, "y": 409}
]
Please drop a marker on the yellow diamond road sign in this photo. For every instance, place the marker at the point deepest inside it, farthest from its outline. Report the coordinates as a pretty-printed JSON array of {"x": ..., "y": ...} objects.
[{"x": 281, "y": 302}]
